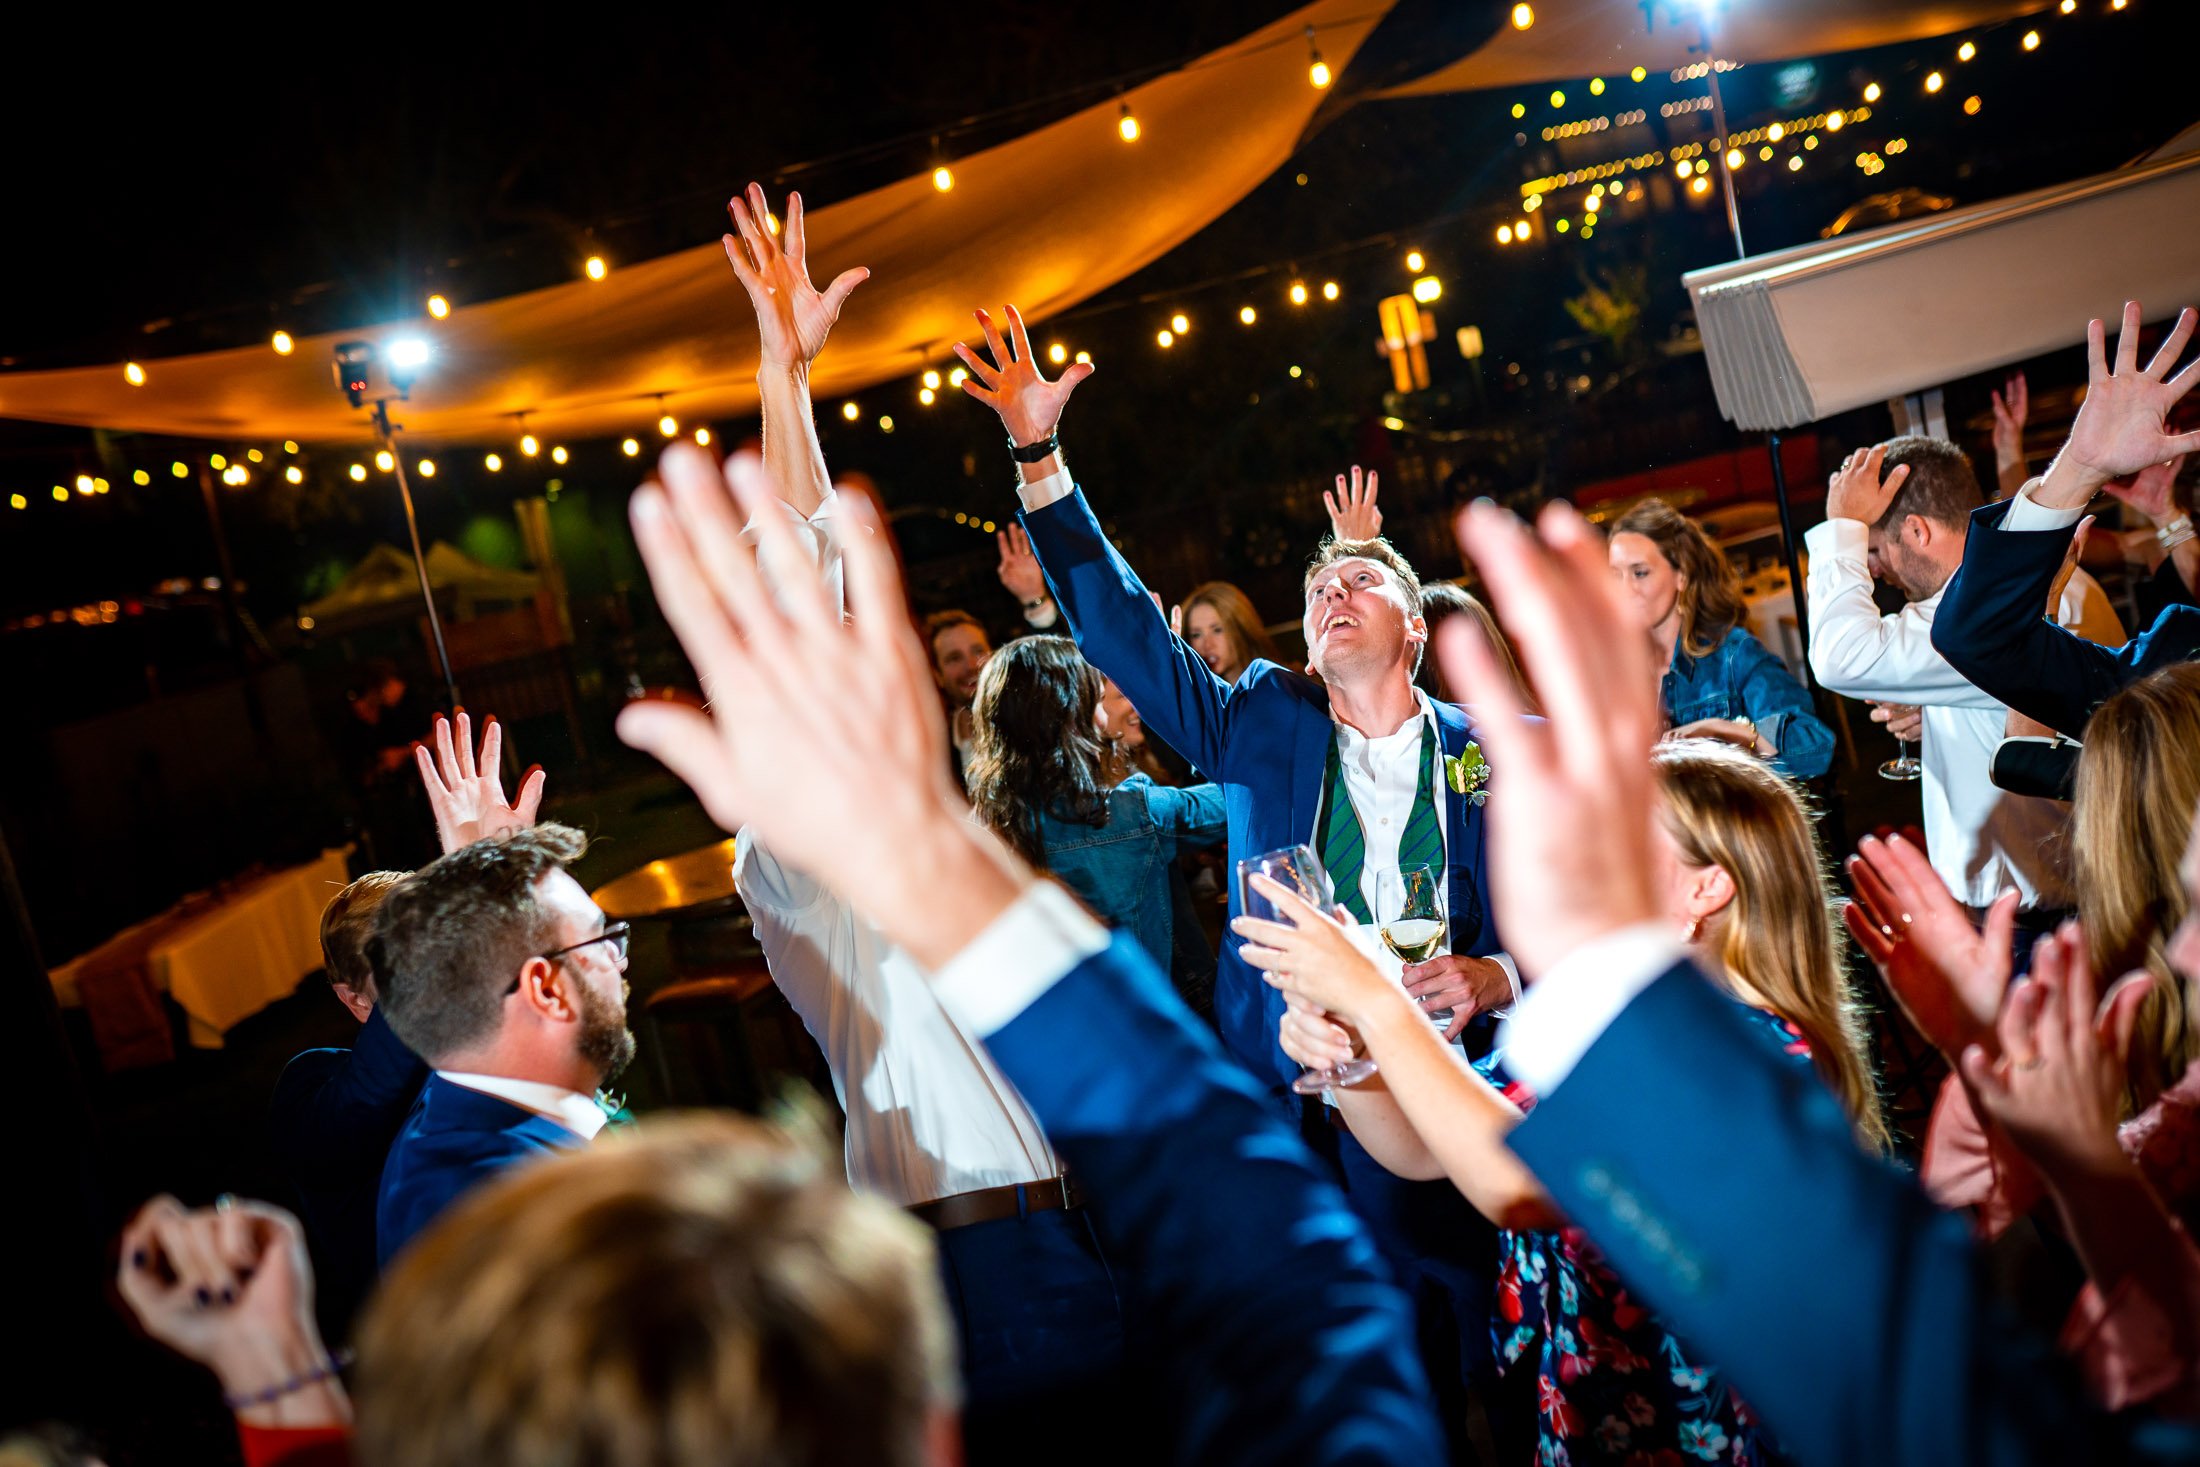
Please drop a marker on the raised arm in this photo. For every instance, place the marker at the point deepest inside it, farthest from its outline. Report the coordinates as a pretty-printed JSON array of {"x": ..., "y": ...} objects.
[
  {"x": 1114, "y": 618},
  {"x": 1351, "y": 506},
  {"x": 2011, "y": 407},
  {"x": 467, "y": 793}
]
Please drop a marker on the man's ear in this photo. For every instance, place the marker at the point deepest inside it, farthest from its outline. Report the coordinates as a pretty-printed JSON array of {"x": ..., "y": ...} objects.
[
  {"x": 360, "y": 1004},
  {"x": 1919, "y": 531},
  {"x": 546, "y": 988}
]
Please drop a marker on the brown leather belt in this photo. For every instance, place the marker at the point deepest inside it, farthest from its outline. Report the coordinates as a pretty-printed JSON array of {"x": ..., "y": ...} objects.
[{"x": 966, "y": 1209}]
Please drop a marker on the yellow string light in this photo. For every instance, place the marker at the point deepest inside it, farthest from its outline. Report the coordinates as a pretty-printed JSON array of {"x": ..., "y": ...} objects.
[
  {"x": 529, "y": 445},
  {"x": 494, "y": 463},
  {"x": 850, "y": 411},
  {"x": 1298, "y": 292},
  {"x": 596, "y": 268},
  {"x": 1126, "y": 127},
  {"x": 427, "y": 468},
  {"x": 438, "y": 307},
  {"x": 283, "y": 343},
  {"x": 133, "y": 374},
  {"x": 1329, "y": 290},
  {"x": 558, "y": 455},
  {"x": 1247, "y": 315},
  {"x": 1523, "y": 17},
  {"x": 358, "y": 473},
  {"x": 631, "y": 447},
  {"x": 295, "y": 474},
  {"x": 943, "y": 178}
]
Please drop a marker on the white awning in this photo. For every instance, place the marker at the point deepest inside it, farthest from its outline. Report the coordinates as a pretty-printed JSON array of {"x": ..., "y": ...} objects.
[{"x": 1808, "y": 332}]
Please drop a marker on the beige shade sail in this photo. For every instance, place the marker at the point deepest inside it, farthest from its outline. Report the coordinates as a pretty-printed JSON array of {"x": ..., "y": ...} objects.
[
  {"x": 1807, "y": 332},
  {"x": 1046, "y": 221},
  {"x": 1583, "y": 38}
]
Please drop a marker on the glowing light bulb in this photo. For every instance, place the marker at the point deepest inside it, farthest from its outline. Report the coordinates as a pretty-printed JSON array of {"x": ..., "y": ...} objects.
[
  {"x": 528, "y": 445},
  {"x": 1966, "y": 51},
  {"x": 1682, "y": 168},
  {"x": 1126, "y": 127},
  {"x": 1248, "y": 315},
  {"x": 1165, "y": 338},
  {"x": 290, "y": 445},
  {"x": 1558, "y": 99},
  {"x": 1776, "y": 132},
  {"x": 1795, "y": 164},
  {"x": 1971, "y": 106},
  {"x": 1733, "y": 158},
  {"x": 133, "y": 374},
  {"x": 702, "y": 437},
  {"x": 1935, "y": 82},
  {"x": 558, "y": 455},
  {"x": 1564, "y": 225},
  {"x": 1523, "y": 17},
  {"x": 358, "y": 473},
  {"x": 1297, "y": 371},
  {"x": 217, "y": 461},
  {"x": 926, "y": 396},
  {"x": 1318, "y": 73},
  {"x": 494, "y": 463},
  {"x": 17, "y": 501},
  {"x": 1596, "y": 86},
  {"x": 438, "y": 307},
  {"x": 1594, "y": 203},
  {"x": 1298, "y": 292},
  {"x": 61, "y": 495},
  {"x": 1427, "y": 288},
  {"x": 668, "y": 425},
  {"x": 886, "y": 423},
  {"x": 141, "y": 477},
  {"x": 1057, "y": 354},
  {"x": 1329, "y": 290},
  {"x": 1180, "y": 323},
  {"x": 932, "y": 379},
  {"x": 2031, "y": 40},
  {"x": 255, "y": 455},
  {"x": 957, "y": 377},
  {"x": 1520, "y": 109},
  {"x": 427, "y": 468},
  {"x": 1698, "y": 185},
  {"x": 631, "y": 447},
  {"x": 180, "y": 469},
  {"x": 1871, "y": 92},
  {"x": 1835, "y": 122},
  {"x": 1637, "y": 74},
  {"x": 850, "y": 411},
  {"x": 596, "y": 269},
  {"x": 943, "y": 178},
  {"x": 1414, "y": 262},
  {"x": 384, "y": 461},
  {"x": 295, "y": 474},
  {"x": 2068, "y": 7},
  {"x": 283, "y": 343}
]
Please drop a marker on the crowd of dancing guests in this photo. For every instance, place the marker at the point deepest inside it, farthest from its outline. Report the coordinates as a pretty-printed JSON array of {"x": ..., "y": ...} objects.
[{"x": 1085, "y": 1206}]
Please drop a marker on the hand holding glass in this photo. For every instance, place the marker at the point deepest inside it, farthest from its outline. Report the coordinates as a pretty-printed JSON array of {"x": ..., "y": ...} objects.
[{"x": 1300, "y": 870}]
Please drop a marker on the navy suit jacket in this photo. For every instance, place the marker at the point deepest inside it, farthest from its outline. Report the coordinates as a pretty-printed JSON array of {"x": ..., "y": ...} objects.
[
  {"x": 1265, "y": 741},
  {"x": 454, "y": 1140},
  {"x": 335, "y": 1114},
  {"x": 1288, "y": 1343},
  {"x": 1726, "y": 1187},
  {"x": 1993, "y": 628}
]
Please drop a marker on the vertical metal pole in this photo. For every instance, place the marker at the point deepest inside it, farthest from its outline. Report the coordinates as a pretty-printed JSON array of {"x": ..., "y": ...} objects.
[
  {"x": 212, "y": 498},
  {"x": 1794, "y": 562},
  {"x": 1726, "y": 145},
  {"x": 388, "y": 436}
]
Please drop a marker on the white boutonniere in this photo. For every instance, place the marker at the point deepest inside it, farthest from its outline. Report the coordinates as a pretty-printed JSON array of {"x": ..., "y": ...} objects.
[{"x": 1469, "y": 773}]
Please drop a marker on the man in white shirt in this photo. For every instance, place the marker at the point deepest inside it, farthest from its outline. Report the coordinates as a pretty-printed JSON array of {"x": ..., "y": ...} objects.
[
  {"x": 497, "y": 969},
  {"x": 931, "y": 1124},
  {"x": 1910, "y": 530}
]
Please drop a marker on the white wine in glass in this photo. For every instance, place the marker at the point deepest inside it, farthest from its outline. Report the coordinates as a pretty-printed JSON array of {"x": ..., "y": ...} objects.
[{"x": 1409, "y": 904}]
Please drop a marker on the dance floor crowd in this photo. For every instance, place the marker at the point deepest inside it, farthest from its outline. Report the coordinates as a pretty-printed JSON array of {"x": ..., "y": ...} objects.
[{"x": 1526, "y": 1113}]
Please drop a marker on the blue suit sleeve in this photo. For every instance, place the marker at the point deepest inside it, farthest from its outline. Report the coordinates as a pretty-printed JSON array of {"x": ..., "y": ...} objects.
[
  {"x": 1192, "y": 816},
  {"x": 1288, "y": 1342},
  {"x": 1782, "y": 710},
  {"x": 1993, "y": 627},
  {"x": 326, "y": 1130},
  {"x": 1725, "y": 1186},
  {"x": 1124, "y": 634}
]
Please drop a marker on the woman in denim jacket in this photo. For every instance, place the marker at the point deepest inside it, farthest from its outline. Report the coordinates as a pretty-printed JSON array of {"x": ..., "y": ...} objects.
[
  {"x": 1720, "y": 682},
  {"x": 1040, "y": 777}
]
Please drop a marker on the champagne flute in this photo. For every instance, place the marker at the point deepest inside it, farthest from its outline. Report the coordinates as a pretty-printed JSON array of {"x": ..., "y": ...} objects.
[
  {"x": 1903, "y": 765},
  {"x": 1409, "y": 905},
  {"x": 1300, "y": 870}
]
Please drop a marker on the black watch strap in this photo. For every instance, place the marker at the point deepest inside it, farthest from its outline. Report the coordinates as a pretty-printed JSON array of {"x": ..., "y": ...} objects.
[{"x": 1031, "y": 453}]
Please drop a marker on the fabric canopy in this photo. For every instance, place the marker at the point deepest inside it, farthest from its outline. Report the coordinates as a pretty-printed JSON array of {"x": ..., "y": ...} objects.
[
  {"x": 1046, "y": 220},
  {"x": 386, "y": 578},
  {"x": 1804, "y": 333},
  {"x": 1576, "y": 38}
]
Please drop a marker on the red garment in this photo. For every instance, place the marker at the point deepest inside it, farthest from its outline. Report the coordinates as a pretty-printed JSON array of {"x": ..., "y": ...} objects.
[{"x": 295, "y": 1446}]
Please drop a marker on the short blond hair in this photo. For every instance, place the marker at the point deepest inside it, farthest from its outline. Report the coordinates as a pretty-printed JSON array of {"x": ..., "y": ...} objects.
[
  {"x": 346, "y": 924},
  {"x": 698, "y": 1291}
]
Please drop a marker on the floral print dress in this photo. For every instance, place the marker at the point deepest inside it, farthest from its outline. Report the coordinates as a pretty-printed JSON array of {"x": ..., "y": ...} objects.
[{"x": 1612, "y": 1386}]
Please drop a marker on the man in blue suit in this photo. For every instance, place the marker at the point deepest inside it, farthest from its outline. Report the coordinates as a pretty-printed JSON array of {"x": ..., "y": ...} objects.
[
  {"x": 1359, "y": 765},
  {"x": 1990, "y": 626},
  {"x": 1277, "y": 1333},
  {"x": 501, "y": 973},
  {"x": 1724, "y": 1186}
]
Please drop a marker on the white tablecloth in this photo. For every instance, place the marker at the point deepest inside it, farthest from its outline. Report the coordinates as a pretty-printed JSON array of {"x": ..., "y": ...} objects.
[{"x": 224, "y": 959}]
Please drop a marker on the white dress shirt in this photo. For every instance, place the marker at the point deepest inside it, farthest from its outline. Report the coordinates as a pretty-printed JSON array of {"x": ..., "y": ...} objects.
[
  {"x": 1982, "y": 839},
  {"x": 928, "y": 1114},
  {"x": 576, "y": 1112},
  {"x": 1381, "y": 774}
]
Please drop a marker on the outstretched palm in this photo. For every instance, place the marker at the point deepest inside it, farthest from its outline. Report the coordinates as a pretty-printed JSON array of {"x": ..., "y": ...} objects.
[
  {"x": 2122, "y": 427},
  {"x": 1948, "y": 976},
  {"x": 1010, "y": 384},
  {"x": 793, "y": 316}
]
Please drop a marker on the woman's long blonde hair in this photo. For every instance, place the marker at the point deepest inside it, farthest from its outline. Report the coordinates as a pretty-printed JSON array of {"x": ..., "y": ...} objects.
[
  {"x": 1778, "y": 935},
  {"x": 1240, "y": 622},
  {"x": 1711, "y": 600},
  {"x": 2138, "y": 783}
]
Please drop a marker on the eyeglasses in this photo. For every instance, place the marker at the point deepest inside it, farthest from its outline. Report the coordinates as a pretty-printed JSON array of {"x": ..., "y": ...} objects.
[{"x": 617, "y": 934}]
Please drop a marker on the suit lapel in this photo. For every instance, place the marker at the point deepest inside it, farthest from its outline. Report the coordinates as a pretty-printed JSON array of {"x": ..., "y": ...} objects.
[
  {"x": 1309, "y": 757},
  {"x": 1462, "y": 830}
]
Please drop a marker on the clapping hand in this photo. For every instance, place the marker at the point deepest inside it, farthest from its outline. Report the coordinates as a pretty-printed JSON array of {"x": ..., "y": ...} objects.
[
  {"x": 1352, "y": 511},
  {"x": 793, "y": 317},
  {"x": 1948, "y": 976},
  {"x": 467, "y": 795},
  {"x": 2122, "y": 426},
  {"x": 1010, "y": 384},
  {"x": 1019, "y": 568},
  {"x": 2055, "y": 1079}
]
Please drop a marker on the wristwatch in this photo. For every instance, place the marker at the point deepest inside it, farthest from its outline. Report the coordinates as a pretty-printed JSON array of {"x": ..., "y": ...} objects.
[{"x": 1031, "y": 453}]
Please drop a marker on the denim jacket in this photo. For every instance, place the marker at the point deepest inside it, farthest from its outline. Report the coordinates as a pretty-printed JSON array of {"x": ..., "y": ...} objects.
[
  {"x": 1740, "y": 678},
  {"x": 1125, "y": 870}
]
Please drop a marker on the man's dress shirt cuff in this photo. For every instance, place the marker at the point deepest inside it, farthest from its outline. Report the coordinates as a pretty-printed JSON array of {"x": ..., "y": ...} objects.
[
  {"x": 2027, "y": 513},
  {"x": 1040, "y": 493},
  {"x": 1568, "y": 1008},
  {"x": 1024, "y": 952}
]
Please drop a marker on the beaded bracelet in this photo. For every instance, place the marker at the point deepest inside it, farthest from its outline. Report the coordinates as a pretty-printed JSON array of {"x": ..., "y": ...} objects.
[{"x": 326, "y": 1370}]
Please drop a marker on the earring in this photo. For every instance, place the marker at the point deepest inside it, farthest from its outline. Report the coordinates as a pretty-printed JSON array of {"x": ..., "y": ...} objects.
[{"x": 1695, "y": 925}]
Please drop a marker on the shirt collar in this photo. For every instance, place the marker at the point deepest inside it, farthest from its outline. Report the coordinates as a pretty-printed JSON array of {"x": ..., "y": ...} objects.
[
  {"x": 1350, "y": 738},
  {"x": 576, "y": 1112}
]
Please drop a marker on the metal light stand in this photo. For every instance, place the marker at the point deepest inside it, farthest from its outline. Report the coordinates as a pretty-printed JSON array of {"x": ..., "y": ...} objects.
[{"x": 385, "y": 433}]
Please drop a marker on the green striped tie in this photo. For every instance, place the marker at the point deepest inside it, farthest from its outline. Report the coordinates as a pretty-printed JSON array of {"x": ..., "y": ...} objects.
[{"x": 1343, "y": 844}]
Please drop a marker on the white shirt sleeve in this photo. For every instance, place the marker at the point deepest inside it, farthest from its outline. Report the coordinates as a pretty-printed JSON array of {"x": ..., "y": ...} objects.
[
  {"x": 2027, "y": 513},
  {"x": 819, "y": 535},
  {"x": 1569, "y": 1009},
  {"x": 1024, "y": 952},
  {"x": 1859, "y": 653},
  {"x": 1040, "y": 493},
  {"x": 1512, "y": 972}
]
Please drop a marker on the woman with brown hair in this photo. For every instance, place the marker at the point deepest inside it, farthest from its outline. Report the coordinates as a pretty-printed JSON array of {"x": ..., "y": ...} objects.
[
  {"x": 1720, "y": 682},
  {"x": 1745, "y": 882},
  {"x": 1219, "y": 623}
]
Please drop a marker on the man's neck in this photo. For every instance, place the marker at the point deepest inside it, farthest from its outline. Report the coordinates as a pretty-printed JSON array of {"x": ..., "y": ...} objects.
[
  {"x": 1377, "y": 708},
  {"x": 566, "y": 1072}
]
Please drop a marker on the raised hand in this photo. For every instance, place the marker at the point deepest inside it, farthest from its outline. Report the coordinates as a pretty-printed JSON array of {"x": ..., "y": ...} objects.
[
  {"x": 1948, "y": 976},
  {"x": 792, "y": 316},
  {"x": 1352, "y": 511},
  {"x": 1011, "y": 384},
  {"x": 2057, "y": 1083},
  {"x": 1019, "y": 568},
  {"x": 466, "y": 794},
  {"x": 2122, "y": 427},
  {"x": 2012, "y": 406},
  {"x": 1855, "y": 491},
  {"x": 2149, "y": 491},
  {"x": 1571, "y": 796},
  {"x": 229, "y": 1286}
]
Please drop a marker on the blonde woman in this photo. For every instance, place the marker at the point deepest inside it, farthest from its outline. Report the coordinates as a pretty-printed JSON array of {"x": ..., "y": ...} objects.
[
  {"x": 1220, "y": 624},
  {"x": 1744, "y": 882}
]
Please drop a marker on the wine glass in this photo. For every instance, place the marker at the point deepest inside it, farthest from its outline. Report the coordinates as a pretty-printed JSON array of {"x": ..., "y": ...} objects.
[
  {"x": 1300, "y": 870},
  {"x": 1904, "y": 765},
  {"x": 1409, "y": 905}
]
